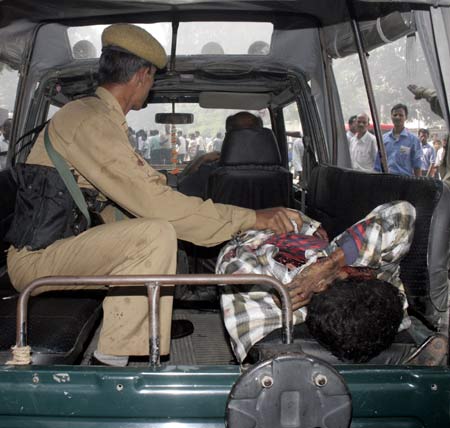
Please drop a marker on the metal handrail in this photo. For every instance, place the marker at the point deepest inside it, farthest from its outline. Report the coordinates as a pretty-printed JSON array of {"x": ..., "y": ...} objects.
[{"x": 153, "y": 284}]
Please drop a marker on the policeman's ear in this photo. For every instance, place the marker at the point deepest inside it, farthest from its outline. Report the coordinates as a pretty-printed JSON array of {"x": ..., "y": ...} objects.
[{"x": 140, "y": 75}]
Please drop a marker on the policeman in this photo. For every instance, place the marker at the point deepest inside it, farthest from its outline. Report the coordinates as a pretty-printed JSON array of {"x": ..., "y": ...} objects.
[{"x": 91, "y": 135}]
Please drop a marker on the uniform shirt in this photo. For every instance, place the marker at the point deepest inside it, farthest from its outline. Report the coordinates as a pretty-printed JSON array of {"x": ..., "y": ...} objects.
[
  {"x": 297, "y": 154},
  {"x": 403, "y": 155},
  {"x": 428, "y": 156},
  {"x": 91, "y": 135},
  {"x": 363, "y": 152},
  {"x": 378, "y": 241}
]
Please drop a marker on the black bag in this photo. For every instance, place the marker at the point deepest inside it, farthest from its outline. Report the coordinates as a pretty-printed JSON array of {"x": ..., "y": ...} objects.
[{"x": 44, "y": 210}]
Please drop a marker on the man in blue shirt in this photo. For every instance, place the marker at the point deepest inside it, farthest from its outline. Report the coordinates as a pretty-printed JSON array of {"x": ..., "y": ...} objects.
[
  {"x": 403, "y": 149},
  {"x": 429, "y": 154}
]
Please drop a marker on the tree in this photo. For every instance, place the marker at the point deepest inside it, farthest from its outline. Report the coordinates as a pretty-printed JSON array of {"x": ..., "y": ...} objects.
[{"x": 391, "y": 71}]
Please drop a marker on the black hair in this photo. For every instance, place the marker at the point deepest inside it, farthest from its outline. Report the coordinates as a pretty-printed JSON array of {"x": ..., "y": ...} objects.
[
  {"x": 355, "y": 320},
  {"x": 352, "y": 119},
  {"x": 243, "y": 119},
  {"x": 118, "y": 66},
  {"x": 400, "y": 106},
  {"x": 424, "y": 131}
]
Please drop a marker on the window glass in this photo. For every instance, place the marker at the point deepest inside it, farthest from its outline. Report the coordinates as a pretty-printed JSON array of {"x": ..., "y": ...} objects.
[
  {"x": 86, "y": 41},
  {"x": 393, "y": 68},
  {"x": 9, "y": 81},
  {"x": 194, "y": 38},
  {"x": 156, "y": 142},
  {"x": 229, "y": 38},
  {"x": 294, "y": 134}
]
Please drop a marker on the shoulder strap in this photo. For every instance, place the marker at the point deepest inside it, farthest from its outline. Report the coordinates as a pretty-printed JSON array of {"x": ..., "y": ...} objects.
[{"x": 67, "y": 177}]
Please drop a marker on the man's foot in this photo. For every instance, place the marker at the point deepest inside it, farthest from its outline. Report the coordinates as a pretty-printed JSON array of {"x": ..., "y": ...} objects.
[
  {"x": 181, "y": 328},
  {"x": 109, "y": 360},
  {"x": 432, "y": 352}
]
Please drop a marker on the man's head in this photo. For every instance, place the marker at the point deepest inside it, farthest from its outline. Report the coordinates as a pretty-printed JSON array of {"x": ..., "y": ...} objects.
[
  {"x": 352, "y": 124},
  {"x": 399, "y": 114},
  {"x": 424, "y": 134},
  {"x": 130, "y": 56},
  {"x": 6, "y": 129},
  {"x": 356, "y": 320},
  {"x": 362, "y": 123},
  {"x": 241, "y": 120}
]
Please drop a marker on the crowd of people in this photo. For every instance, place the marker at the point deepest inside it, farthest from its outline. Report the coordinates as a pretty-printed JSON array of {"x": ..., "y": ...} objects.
[
  {"x": 406, "y": 153},
  {"x": 157, "y": 147}
]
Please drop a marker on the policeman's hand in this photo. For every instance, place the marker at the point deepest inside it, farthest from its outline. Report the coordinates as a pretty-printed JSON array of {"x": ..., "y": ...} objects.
[
  {"x": 278, "y": 220},
  {"x": 315, "y": 278}
]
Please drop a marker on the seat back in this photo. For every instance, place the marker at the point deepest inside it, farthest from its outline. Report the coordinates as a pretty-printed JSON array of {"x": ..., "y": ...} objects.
[
  {"x": 250, "y": 173},
  {"x": 338, "y": 198}
]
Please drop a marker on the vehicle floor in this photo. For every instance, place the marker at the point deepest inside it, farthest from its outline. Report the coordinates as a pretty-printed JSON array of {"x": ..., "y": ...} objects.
[{"x": 207, "y": 345}]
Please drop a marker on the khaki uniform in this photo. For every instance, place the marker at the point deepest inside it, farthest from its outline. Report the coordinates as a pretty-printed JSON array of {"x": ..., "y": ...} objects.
[{"x": 91, "y": 134}]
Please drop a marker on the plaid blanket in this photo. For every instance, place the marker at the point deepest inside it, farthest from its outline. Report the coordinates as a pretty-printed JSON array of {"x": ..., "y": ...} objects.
[{"x": 378, "y": 241}]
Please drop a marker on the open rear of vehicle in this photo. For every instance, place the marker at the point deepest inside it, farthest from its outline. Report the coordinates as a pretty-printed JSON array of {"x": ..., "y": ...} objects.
[{"x": 289, "y": 82}]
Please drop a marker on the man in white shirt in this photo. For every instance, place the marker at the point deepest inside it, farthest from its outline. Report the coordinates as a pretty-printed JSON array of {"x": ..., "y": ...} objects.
[
  {"x": 201, "y": 145},
  {"x": 5, "y": 131},
  {"x": 363, "y": 146},
  {"x": 297, "y": 157},
  {"x": 181, "y": 147}
]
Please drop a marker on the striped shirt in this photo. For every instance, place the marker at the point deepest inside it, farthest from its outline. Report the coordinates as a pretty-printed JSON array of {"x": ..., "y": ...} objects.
[{"x": 378, "y": 241}]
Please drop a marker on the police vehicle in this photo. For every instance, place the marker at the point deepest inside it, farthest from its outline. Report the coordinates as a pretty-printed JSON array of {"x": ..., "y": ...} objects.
[{"x": 275, "y": 59}]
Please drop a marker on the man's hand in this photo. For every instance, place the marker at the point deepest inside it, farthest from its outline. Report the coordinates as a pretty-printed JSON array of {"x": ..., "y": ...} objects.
[
  {"x": 199, "y": 161},
  {"x": 278, "y": 220},
  {"x": 315, "y": 279}
]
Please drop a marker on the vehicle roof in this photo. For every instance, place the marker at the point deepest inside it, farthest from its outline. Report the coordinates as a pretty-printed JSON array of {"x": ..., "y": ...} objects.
[{"x": 325, "y": 12}]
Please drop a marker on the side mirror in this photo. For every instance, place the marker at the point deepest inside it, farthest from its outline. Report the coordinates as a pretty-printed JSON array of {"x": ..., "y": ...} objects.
[{"x": 174, "y": 118}]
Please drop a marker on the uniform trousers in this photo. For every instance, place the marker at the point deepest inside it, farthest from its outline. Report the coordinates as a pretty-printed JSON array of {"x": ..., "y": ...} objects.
[{"x": 128, "y": 247}]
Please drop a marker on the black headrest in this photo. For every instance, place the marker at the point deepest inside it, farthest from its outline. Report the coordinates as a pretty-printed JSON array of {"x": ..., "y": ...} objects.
[{"x": 250, "y": 146}]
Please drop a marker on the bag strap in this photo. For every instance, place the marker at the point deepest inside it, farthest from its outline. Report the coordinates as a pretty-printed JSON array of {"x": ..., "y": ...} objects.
[{"x": 67, "y": 177}]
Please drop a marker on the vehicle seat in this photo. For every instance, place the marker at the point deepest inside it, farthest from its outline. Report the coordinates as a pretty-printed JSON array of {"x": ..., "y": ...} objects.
[
  {"x": 250, "y": 173},
  {"x": 339, "y": 197},
  {"x": 59, "y": 323}
]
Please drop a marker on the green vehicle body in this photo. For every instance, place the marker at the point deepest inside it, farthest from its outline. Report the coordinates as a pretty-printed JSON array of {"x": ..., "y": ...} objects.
[{"x": 382, "y": 396}]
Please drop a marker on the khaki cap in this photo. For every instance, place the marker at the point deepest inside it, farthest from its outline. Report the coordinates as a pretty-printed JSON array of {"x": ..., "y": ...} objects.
[{"x": 136, "y": 41}]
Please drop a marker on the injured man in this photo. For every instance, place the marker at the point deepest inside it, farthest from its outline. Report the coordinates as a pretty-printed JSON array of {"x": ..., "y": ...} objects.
[{"x": 356, "y": 300}]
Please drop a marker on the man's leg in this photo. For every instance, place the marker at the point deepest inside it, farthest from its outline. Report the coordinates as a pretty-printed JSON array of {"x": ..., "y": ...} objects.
[{"x": 129, "y": 247}]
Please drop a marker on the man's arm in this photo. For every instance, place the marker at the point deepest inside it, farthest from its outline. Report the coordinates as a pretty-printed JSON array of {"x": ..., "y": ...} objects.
[
  {"x": 432, "y": 168},
  {"x": 379, "y": 241},
  {"x": 416, "y": 154}
]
